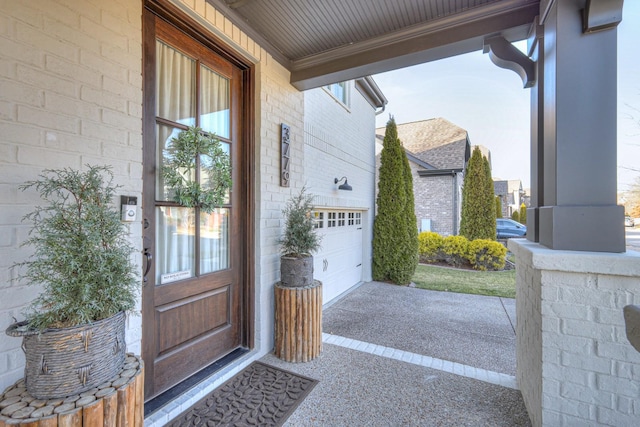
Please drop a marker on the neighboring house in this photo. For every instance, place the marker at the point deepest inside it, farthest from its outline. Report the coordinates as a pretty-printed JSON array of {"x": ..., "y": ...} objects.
[
  {"x": 511, "y": 195},
  {"x": 110, "y": 83},
  {"x": 438, "y": 152}
]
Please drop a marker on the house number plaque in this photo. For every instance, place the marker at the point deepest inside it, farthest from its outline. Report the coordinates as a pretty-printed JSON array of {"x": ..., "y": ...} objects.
[{"x": 285, "y": 150}]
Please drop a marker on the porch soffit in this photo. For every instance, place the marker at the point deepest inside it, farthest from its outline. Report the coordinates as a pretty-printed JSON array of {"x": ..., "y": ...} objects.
[{"x": 328, "y": 41}]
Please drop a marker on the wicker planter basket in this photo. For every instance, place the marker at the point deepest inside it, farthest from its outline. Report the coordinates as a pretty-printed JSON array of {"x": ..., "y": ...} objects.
[{"x": 64, "y": 362}]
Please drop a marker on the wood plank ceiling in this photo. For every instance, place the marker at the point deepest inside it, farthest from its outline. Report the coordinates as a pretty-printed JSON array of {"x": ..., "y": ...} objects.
[{"x": 325, "y": 41}]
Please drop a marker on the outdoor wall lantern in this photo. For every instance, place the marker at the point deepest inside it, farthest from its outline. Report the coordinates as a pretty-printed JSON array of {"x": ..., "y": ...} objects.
[{"x": 344, "y": 186}]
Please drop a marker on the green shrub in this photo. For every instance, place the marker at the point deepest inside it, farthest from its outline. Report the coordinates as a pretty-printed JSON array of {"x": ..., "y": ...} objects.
[
  {"x": 430, "y": 246},
  {"x": 486, "y": 254},
  {"x": 454, "y": 250},
  {"x": 515, "y": 216}
]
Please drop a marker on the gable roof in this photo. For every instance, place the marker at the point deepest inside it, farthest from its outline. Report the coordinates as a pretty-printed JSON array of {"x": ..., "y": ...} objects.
[
  {"x": 436, "y": 142},
  {"x": 504, "y": 187}
]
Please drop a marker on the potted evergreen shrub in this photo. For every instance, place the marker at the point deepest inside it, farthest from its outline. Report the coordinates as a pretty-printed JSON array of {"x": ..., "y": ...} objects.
[
  {"x": 73, "y": 335},
  {"x": 299, "y": 242}
]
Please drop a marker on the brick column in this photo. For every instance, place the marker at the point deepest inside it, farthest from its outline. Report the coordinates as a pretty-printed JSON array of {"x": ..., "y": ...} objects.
[{"x": 575, "y": 365}]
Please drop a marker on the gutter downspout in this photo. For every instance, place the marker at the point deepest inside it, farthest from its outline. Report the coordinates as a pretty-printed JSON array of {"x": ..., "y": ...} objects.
[{"x": 368, "y": 87}]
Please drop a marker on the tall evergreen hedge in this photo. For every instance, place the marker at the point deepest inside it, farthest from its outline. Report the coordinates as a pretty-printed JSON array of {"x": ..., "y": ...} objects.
[
  {"x": 523, "y": 214},
  {"x": 489, "y": 196},
  {"x": 395, "y": 233},
  {"x": 478, "y": 206}
]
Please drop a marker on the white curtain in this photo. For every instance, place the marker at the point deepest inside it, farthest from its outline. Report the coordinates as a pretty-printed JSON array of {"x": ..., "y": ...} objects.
[
  {"x": 175, "y": 85},
  {"x": 175, "y": 241},
  {"x": 214, "y": 102},
  {"x": 214, "y": 241}
]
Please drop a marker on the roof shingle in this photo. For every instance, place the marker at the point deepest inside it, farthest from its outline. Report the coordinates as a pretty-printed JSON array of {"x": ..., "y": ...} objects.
[{"x": 437, "y": 142}]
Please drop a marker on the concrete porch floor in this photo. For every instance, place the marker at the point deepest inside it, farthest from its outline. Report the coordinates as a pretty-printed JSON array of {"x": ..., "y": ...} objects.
[{"x": 400, "y": 356}]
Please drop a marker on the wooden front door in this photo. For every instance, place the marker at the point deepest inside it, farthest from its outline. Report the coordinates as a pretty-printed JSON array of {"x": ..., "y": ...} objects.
[{"x": 195, "y": 282}]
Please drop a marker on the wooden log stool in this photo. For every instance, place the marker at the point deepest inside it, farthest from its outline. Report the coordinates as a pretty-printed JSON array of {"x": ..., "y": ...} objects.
[
  {"x": 118, "y": 402},
  {"x": 298, "y": 326}
]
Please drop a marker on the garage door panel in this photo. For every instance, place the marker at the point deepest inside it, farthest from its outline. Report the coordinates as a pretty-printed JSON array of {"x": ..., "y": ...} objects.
[{"x": 338, "y": 264}]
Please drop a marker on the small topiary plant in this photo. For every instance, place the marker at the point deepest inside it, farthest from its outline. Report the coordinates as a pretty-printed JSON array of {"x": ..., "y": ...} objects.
[
  {"x": 430, "y": 246},
  {"x": 300, "y": 238},
  {"x": 455, "y": 250},
  {"x": 486, "y": 255}
]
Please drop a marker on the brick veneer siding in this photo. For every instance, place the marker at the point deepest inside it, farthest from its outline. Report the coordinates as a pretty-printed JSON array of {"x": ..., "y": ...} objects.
[
  {"x": 574, "y": 363},
  {"x": 434, "y": 200},
  {"x": 437, "y": 198}
]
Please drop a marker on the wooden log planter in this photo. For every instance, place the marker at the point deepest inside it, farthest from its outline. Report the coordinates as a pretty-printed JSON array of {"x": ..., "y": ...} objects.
[
  {"x": 118, "y": 402},
  {"x": 298, "y": 325}
]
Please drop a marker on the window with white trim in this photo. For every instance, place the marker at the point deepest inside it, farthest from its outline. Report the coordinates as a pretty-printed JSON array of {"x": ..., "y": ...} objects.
[
  {"x": 331, "y": 219},
  {"x": 340, "y": 91},
  {"x": 318, "y": 219}
]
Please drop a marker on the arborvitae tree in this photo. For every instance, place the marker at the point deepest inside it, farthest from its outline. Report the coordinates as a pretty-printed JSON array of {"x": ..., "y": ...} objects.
[
  {"x": 523, "y": 214},
  {"x": 515, "y": 216},
  {"x": 395, "y": 243},
  {"x": 478, "y": 208},
  {"x": 489, "y": 195},
  {"x": 498, "y": 207},
  {"x": 411, "y": 247}
]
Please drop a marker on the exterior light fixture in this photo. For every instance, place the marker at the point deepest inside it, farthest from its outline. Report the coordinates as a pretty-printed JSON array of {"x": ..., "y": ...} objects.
[{"x": 344, "y": 186}]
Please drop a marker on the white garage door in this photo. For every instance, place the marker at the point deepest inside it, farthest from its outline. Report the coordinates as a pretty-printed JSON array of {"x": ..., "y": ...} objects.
[{"x": 338, "y": 264}]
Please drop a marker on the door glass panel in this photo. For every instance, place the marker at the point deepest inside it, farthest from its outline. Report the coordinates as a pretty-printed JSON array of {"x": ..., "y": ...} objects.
[
  {"x": 214, "y": 103},
  {"x": 175, "y": 234},
  {"x": 165, "y": 135},
  {"x": 175, "y": 91},
  {"x": 214, "y": 241},
  {"x": 187, "y": 247},
  {"x": 208, "y": 173}
]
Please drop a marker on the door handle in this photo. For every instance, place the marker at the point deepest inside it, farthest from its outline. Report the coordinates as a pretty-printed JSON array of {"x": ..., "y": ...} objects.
[{"x": 148, "y": 261}]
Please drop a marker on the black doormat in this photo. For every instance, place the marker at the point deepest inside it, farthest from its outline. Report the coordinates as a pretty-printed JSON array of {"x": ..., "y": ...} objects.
[{"x": 260, "y": 395}]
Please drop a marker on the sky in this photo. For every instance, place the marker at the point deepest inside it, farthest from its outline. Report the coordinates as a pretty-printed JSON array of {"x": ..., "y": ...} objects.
[{"x": 490, "y": 103}]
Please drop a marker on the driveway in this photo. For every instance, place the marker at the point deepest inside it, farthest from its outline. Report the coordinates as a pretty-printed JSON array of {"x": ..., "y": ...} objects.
[{"x": 400, "y": 356}]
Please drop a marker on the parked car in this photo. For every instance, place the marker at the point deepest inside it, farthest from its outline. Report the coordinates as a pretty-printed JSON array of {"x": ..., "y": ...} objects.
[
  {"x": 628, "y": 221},
  {"x": 506, "y": 228}
]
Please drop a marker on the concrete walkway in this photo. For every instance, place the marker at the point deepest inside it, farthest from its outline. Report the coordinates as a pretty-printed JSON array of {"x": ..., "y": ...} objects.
[{"x": 400, "y": 356}]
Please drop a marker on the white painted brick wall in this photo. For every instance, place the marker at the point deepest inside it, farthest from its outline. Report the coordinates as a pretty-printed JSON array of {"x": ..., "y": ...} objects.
[
  {"x": 71, "y": 95},
  {"x": 577, "y": 367}
]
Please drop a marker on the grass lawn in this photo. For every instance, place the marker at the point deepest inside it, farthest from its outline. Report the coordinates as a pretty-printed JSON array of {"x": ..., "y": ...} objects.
[{"x": 491, "y": 283}]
